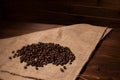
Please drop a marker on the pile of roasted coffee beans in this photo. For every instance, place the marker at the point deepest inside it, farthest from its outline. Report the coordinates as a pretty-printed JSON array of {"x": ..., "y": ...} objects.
[{"x": 41, "y": 54}]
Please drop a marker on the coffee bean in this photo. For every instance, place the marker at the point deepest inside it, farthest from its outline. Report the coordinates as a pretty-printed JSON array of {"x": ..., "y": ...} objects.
[
  {"x": 13, "y": 51},
  {"x": 70, "y": 63},
  {"x": 25, "y": 67},
  {"x": 41, "y": 54},
  {"x": 14, "y": 56},
  {"x": 64, "y": 67},
  {"x": 61, "y": 70},
  {"x": 10, "y": 57},
  {"x": 36, "y": 68}
]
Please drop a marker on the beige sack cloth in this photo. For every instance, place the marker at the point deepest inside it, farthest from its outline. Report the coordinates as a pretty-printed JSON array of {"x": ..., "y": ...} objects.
[{"x": 80, "y": 38}]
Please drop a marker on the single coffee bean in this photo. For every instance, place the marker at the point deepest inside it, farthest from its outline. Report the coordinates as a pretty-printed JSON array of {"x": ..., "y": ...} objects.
[
  {"x": 10, "y": 57},
  {"x": 70, "y": 63},
  {"x": 14, "y": 56},
  {"x": 25, "y": 67},
  {"x": 64, "y": 67},
  {"x": 13, "y": 51},
  {"x": 36, "y": 68},
  {"x": 61, "y": 70}
]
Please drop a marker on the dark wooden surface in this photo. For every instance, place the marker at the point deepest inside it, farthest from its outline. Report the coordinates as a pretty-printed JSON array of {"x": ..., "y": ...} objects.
[
  {"x": 104, "y": 64},
  {"x": 98, "y": 12}
]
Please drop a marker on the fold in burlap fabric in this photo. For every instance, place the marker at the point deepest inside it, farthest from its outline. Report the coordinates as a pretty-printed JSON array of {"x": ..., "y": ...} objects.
[{"x": 80, "y": 38}]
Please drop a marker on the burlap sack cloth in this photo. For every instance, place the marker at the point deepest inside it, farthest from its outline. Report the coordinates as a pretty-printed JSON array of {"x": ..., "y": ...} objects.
[{"x": 80, "y": 38}]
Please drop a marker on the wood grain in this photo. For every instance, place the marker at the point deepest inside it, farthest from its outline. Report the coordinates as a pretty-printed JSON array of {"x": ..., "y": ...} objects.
[{"x": 98, "y": 12}]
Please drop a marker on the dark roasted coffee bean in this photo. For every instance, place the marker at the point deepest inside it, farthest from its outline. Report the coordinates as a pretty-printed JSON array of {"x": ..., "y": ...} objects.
[
  {"x": 14, "y": 56},
  {"x": 25, "y": 67},
  {"x": 21, "y": 61},
  {"x": 70, "y": 62},
  {"x": 13, "y": 51},
  {"x": 61, "y": 70},
  {"x": 36, "y": 68},
  {"x": 41, "y": 54},
  {"x": 64, "y": 67},
  {"x": 10, "y": 57}
]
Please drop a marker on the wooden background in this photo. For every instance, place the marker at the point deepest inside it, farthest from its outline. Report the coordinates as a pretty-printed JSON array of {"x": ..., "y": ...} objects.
[{"x": 98, "y": 12}]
